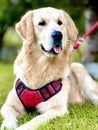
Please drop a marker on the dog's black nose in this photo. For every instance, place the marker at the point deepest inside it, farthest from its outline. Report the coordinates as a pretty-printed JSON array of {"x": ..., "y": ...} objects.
[{"x": 57, "y": 36}]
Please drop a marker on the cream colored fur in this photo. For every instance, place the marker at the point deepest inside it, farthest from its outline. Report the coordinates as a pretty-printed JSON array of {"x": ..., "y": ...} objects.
[{"x": 37, "y": 68}]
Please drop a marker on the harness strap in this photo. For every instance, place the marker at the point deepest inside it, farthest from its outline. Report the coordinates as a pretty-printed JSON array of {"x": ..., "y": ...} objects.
[{"x": 31, "y": 98}]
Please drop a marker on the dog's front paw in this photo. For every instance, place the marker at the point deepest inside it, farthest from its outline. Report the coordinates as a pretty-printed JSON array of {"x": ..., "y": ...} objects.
[{"x": 9, "y": 124}]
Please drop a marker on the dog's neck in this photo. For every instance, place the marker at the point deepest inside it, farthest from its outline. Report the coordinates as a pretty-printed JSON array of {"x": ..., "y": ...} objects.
[{"x": 36, "y": 70}]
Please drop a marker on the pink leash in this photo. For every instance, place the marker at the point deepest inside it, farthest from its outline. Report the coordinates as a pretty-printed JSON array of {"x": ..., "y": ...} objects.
[{"x": 81, "y": 39}]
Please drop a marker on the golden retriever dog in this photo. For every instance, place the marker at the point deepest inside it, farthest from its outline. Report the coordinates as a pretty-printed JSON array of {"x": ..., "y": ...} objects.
[{"x": 45, "y": 77}]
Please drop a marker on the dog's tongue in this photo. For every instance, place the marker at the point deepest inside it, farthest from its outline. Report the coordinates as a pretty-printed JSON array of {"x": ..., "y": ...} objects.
[{"x": 57, "y": 49}]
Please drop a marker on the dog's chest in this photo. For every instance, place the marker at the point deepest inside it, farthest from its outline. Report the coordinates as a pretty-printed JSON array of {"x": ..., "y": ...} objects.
[{"x": 38, "y": 77}]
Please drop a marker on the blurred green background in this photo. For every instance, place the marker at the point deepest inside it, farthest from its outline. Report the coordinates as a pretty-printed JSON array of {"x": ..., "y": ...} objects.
[{"x": 11, "y": 12}]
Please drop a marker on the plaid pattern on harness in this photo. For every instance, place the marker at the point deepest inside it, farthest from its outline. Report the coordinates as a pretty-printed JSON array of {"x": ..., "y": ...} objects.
[{"x": 31, "y": 98}]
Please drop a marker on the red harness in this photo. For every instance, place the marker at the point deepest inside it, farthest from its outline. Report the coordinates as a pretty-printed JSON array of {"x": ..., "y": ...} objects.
[{"x": 31, "y": 98}]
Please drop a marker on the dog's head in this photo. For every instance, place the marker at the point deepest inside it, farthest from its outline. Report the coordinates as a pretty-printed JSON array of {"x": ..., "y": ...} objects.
[{"x": 49, "y": 28}]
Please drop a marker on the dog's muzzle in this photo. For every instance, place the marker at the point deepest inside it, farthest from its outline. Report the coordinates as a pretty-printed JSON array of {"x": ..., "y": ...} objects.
[{"x": 56, "y": 43}]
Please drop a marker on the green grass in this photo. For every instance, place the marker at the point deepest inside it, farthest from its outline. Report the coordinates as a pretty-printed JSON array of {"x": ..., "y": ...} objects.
[
  {"x": 6, "y": 81},
  {"x": 80, "y": 117}
]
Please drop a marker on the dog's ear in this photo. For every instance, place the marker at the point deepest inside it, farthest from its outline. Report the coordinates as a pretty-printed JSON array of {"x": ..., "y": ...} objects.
[
  {"x": 71, "y": 27},
  {"x": 25, "y": 27}
]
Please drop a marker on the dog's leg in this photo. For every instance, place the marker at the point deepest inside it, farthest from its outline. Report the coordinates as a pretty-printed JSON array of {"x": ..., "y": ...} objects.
[
  {"x": 11, "y": 110},
  {"x": 34, "y": 123},
  {"x": 88, "y": 87}
]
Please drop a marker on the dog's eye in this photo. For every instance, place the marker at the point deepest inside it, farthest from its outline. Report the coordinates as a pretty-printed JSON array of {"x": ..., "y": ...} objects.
[
  {"x": 42, "y": 23},
  {"x": 59, "y": 22}
]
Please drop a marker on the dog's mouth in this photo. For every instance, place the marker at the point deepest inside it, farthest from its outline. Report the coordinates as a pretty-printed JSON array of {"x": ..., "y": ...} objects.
[{"x": 55, "y": 50}]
